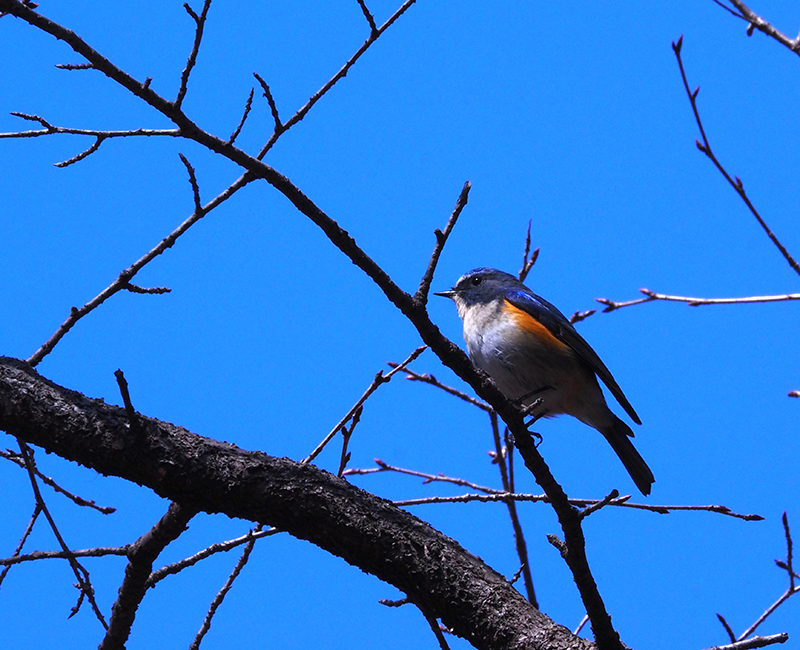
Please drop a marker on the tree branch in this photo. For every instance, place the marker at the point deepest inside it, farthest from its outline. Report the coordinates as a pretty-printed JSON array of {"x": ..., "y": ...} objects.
[
  {"x": 141, "y": 555},
  {"x": 307, "y": 502}
]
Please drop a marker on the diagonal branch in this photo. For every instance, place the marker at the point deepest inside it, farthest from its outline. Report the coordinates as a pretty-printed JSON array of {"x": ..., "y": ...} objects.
[
  {"x": 123, "y": 280},
  {"x": 441, "y": 240},
  {"x": 705, "y": 147},
  {"x": 757, "y": 22},
  {"x": 141, "y": 555},
  {"x": 81, "y": 574}
]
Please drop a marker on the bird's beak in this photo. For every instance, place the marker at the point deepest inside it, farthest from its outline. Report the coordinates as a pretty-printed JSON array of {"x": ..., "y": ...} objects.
[{"x": 445, "y": 294}]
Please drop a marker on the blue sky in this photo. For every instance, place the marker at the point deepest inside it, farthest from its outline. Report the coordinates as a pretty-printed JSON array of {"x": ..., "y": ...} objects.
[{"x": 566, "y": 116}]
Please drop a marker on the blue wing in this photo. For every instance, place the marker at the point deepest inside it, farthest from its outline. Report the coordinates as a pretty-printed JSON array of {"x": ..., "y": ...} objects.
[{"x": 549, "y": 316}]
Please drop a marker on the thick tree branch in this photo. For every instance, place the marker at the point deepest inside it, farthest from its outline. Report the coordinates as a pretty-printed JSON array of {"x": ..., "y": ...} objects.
[{"x": 309, "y": 503}]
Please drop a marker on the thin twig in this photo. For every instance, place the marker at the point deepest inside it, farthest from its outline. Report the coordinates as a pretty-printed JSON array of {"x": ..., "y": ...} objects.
[
  {"x": 519, "y": 537},
  {"x": 83, "y": 154},
  {"x": 273, "y": 107},
  {"x": 705, "y": 147},
  {"x": 220, "y": 547},
  {"x": 133, "y": 288},
  {"x": 791, "y": 590},
  {"x": 198, "y": 205},
  {"x": 611, "y": 305},
  {"x": 80, "y": 501},
  {"x": 528, "y": 262},
  {"x": 378, "y": 381},
  {"x": 762, "y": 25},
  {"x": 368, "y": 16},
  {"x": 81, "y": 574},
  {"x": 247, "y": 108},
  {"x": 133, "y": 418},
  {"x": 430, "y": 379},
  {"x": 578, "y": 316},
  {"x": 496, "y": 496},
  {"x": 436, "y": 628},
  {"x": 727, "y": 626},
  {"x": 346, "y": 435},
  {"x": 224, "y": 591},
  {"x": 122, "y": 282},
  {"x": 200, "y": 22},
  {"x": 37, "y": 510},
  {"x": 441, "y": 239},
  {"x": 50, "y": 129},
  {"x": 754, "y": 642},
  {"x": 594, "y": 507},
  {"x": 583, "y": 622},
  {"x": 429, "y": 478},
  {"x": 74, "y": 66},
  {"x": 100, "y": 551},
  {"x": 492, "y": 495},
  {"x": 300, "y": 114}
]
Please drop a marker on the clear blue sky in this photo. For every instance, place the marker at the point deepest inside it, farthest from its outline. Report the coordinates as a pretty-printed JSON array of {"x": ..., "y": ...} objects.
[{"x": 566, "y": 114}]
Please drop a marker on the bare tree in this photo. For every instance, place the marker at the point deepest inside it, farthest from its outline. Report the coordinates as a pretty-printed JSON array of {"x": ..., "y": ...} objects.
[{"x": 456, "y": 592}]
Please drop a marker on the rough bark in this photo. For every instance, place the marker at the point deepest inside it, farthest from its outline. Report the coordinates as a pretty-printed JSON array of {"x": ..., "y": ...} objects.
[{"x": 434, "y": 571}]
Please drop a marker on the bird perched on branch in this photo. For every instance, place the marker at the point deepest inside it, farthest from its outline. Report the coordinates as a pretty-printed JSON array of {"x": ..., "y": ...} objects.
[{"x": 538, "y": 359}]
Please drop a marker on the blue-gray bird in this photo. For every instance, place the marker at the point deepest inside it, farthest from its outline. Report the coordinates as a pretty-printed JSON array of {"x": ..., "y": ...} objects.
[{"x": 532, "y": 352}]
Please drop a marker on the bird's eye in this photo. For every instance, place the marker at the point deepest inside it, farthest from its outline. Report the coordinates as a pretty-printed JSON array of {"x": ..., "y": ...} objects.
[{"x": 476, "y": 280}]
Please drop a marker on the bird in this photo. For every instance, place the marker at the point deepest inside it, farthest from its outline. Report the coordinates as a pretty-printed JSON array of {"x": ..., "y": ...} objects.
[{"x": 539, "y": 361}]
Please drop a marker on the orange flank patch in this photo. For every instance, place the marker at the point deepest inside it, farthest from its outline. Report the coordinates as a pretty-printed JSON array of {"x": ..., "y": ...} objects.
[{"x": 528, "y": 323}]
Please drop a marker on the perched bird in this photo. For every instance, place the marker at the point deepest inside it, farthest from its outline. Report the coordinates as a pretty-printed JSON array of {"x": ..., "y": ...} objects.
[{"x": 532, "y": 352}]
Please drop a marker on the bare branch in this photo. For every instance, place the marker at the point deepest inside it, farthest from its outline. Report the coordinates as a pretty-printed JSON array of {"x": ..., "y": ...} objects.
[
  {"x": 122, "y": 282},
  {"x": 198, "y": 205},
  {"x": 528, "y": 262},
  {"x": 247, "y": 108},
  {"x": 37, "y": 510},
  {"x": 141, "y": 555},
  {"x": 81, "y": 574},
  {"x": 519, "y": 537},
  {"x": 757, "y": 22},
  {"x": 279, "y": 127},
  {"x": 368, "y": 16},
  {"x": 300, "y": 114},
  {"x": 754, "y": 642},
  {"x": 224, "y": 591},
  {"x": 80, "y": 501},
  {"x": 612, "y": 305},
  {"x": 220, "y": 547},
  {"x": 441, "y": 239},
  {"x": 379, "y": 380},
  {"x": 705, "y": 147},
  {"x": 200, "y": 22},
  {"x": 430, "y": 379}
]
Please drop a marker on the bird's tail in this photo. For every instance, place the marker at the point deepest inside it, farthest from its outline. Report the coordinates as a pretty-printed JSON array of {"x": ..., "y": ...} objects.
[{"x": 618, "y": 435}]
